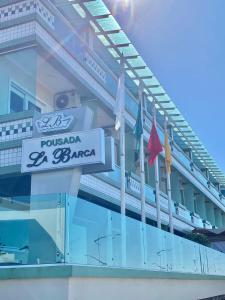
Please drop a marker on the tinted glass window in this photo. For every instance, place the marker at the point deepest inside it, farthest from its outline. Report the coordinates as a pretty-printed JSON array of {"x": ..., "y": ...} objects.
[
  {"x": 16, "y": 102},
  {"x": 32, "y": 106}
]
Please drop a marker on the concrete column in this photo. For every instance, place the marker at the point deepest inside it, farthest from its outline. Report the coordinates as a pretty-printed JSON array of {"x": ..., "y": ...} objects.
[
  {"x": 223, "y": 219},
  {"x": 175, "y": 187},
  {"x": 218, "y": 217},
  {"x": 4, "y": 91},
  {"x": 200, "y": 206},
  {"x": 189, "y": 197},
  {"x": 210, "y": 212}
]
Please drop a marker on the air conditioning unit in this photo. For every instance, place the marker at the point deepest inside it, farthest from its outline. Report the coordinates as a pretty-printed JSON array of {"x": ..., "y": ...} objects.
[{"x": 66, "y": 99}]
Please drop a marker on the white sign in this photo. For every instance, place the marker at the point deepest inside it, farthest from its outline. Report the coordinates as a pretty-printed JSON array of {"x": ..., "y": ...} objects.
[
  {"x": 53, "y": 122},
  {"x": 63, "y": 151}
]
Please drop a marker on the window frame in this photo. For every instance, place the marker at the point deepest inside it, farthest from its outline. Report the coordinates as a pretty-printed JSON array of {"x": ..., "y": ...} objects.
[{"x": 28, "y": 97}]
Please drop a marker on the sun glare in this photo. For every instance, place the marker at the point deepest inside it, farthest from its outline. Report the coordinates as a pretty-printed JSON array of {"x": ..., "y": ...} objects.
[
  {"x": 126, "y": 7},
  {"x": 126, "y": 3}
]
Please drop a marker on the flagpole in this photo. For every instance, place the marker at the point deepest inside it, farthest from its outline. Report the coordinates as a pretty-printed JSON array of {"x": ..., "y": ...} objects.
[
  {"x": 123, "y": 190},
  {"x": 156, "y": 164},
  {"x": 122, "y": 166},
  {"x": 120, "y": 125},
  {"x": 142, "y": 157},
  {"x": 168, "y": 187},
  {"x": 122, "y": 141}
]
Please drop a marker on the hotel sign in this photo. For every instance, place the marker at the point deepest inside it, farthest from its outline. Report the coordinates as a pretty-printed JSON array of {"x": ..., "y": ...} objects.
[{"x": 63, "y": 151}]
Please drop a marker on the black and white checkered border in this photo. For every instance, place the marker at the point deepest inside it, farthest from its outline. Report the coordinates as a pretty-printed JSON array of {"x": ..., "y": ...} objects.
[
  {"x": 16, "y": 130},
  {"x": 45, "y": 14},
  {"x": 24, "y": 8}
]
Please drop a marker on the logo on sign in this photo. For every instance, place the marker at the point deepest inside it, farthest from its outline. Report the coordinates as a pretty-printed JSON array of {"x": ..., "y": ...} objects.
[{"x": 54, "y": 122}]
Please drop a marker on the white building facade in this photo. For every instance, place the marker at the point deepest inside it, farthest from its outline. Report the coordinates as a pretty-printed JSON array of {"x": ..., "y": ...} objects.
[{"x": 53, "y": 55}]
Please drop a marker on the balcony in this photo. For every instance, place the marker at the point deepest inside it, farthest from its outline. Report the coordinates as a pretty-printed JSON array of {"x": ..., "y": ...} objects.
[
  {"x": 10, "y": 156},
  {"x": 133, "y": 187},
  {"x": 49, "y": 229},
  {"x": 10, "y": 152},
  {"x": 14, "y": 141}
]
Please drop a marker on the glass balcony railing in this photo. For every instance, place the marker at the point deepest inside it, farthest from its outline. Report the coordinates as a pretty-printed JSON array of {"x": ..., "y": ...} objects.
[
  {"x": 32, "y": 230},
  {"x": 49, "y": 229},
  {"x": 101, "y": 237}
]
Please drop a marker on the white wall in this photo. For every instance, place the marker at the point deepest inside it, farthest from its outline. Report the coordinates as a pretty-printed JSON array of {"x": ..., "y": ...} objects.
[
  {"x": 143, "y": 289},
  {"x": 41, "y": 289},
  {"x": 110, "y": 289}
]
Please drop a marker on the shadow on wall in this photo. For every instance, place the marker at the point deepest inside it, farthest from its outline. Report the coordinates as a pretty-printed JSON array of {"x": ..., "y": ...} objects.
[
  {"x": 221, "y": 297},
  {"x": 13, "y": 186}
]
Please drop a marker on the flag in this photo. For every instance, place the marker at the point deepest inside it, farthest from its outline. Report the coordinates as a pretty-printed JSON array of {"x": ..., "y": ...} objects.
[
  {"x": 138, "y": 129},
  {"x": 154, "y": 146},
  {"x": 168, "y": 156},
  {"x": 120, "y": 98}
]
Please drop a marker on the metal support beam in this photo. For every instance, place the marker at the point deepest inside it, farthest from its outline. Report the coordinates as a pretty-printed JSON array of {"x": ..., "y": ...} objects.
[{"x": 108, "y": 32}]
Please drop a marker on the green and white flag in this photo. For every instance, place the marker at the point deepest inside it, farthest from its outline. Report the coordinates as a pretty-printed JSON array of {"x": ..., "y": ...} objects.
[{"x": 138, "y": 129}]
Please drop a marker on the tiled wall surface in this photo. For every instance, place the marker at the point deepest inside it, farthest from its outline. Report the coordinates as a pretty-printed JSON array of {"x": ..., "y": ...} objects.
[
  {"x": 10, "y": 157},
  {"x": 17, "y": 32},
  {"x": 14, "y": 130},
  {"x": 24, "y": 8}
]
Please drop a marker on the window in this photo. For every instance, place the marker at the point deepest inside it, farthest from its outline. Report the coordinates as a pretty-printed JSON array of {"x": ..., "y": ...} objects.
[
  {"x": 16, "y": 102},
  {"x": 21, "y": 100},
  {"x": 32, "y": 106}
]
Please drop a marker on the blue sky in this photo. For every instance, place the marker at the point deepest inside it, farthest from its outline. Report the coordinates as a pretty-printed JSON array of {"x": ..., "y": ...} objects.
[{"x": 183, "y": 42}]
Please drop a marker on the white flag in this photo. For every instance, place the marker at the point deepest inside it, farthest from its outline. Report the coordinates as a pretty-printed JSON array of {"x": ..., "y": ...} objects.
[{"x": 120, "y": 98}]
